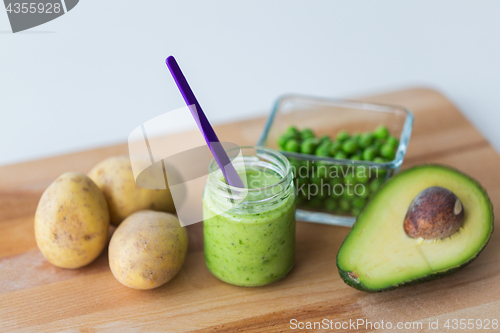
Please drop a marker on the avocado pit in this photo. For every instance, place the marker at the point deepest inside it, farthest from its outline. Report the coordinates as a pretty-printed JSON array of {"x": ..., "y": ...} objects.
[{"x": 436, "y": 213}]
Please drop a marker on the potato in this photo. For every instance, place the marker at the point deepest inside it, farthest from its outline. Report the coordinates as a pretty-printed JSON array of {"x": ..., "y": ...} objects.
[
  {"x": 115, "y": 179},
  {"x": 72, "y": 221},
  {"x": 147, "y": 249}
]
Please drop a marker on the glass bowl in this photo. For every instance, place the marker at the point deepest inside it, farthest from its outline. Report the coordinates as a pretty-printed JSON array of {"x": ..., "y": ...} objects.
[{"x": 332, "y": 190}]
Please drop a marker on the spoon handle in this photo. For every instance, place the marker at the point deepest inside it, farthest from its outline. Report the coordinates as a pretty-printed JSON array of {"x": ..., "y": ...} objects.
[{"x": 220, "y": 155}]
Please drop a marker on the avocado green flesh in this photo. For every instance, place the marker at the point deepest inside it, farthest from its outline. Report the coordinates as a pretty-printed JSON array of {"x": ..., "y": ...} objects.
[{"x": 377, "y": 254}]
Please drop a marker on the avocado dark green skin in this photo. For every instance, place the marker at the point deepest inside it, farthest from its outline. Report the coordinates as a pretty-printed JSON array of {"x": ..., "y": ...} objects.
[
  {"x": 355, "y": 284},
  {"x": 351, "y": 281}
]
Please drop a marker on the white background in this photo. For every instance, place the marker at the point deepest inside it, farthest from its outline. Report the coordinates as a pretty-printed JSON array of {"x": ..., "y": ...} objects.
[{"x": 88, "y": 78}]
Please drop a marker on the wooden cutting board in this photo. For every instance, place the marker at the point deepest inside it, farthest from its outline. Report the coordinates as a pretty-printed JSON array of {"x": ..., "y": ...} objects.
[{"x": 36, "y": 296}]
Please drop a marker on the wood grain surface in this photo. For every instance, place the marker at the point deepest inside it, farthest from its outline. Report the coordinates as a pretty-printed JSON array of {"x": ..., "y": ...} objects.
[{"x": 36, "y": 296}]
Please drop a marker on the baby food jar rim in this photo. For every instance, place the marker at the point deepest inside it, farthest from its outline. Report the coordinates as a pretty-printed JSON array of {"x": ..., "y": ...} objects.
[{"x": 225, "y": 193}]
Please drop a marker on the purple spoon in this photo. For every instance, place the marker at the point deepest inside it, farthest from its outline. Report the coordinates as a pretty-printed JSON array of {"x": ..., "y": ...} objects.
[{"x": 228, "y": 170}]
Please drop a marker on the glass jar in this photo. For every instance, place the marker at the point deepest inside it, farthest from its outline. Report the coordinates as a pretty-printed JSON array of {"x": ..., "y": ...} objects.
[
  {"x": 249, "y": 234},
  {"x": 316, "y": 182}
]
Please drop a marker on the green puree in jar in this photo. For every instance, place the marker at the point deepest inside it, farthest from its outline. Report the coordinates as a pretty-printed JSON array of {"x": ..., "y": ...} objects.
[{"x": 253, "y": 243}]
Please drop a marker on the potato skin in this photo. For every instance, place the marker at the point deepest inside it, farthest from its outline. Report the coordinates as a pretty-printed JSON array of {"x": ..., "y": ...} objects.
[
  {"x": 115, "y": 179},
  {"x": 148, "y": 249},
  {"x": 72, "y": 221}
]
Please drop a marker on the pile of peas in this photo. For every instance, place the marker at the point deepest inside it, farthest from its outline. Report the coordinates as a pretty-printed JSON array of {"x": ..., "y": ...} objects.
[{"x": 348, "y": 187}]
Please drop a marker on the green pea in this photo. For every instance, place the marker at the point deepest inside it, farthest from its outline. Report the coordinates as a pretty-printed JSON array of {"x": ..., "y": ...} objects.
[
  {"x": 350, "y": 169},
  {"x": 282, "y": 140},
  {"x": 350, "y": 146},
  {"x": 355, "y": 211},
  {"x": 344, "y": 204},
  {"x": 342, "y": 136},
  {"x": 357, "y": 157},
  {"x": 350, "y": 179},
  {"x": 321, "y": 171},
  {"x": 362, "y": 177},
  {"x": 307, "y": 133},
  {"x": 331, "y": 204},
  {"x": 392, "y": 141},
  {"x": 292, "y": 131},
  {"x": 336, "y": 191},
  {"x": 380, "y": 171},
  {"x": 344, "y": 169},
  {"x": 324, "y": 139},
  {"x": 292, "y": 145},
  {"x": 356, "y": 136},
  {"x": 358, "y": 202},
  {"x": 388, "y": 152},
  {"x": 308, "y": 146},
  {"x": 375, "y": 184},
  {"x": 366, "y": 139},
  {"x": 376, "y": 145},
  {"x": 369, "y": 154},
  {"x": 323, "y": 150},
  {"x": 364, "y": 192},
  {"x": 335, "y": 180},
  {"x": 348, "y": 192},
  {"x": 335, "y": 147},
  {"x": 381, "y": 132},
  {"x": 317, "y": 180},
  {"x": 340, "y": 155},
  {"x": 361, "y": 169},
  {"x": 334, "y": 171}
]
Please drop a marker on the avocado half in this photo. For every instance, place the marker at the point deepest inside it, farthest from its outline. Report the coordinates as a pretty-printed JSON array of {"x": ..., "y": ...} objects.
[{"x": 378, "y": 255}]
